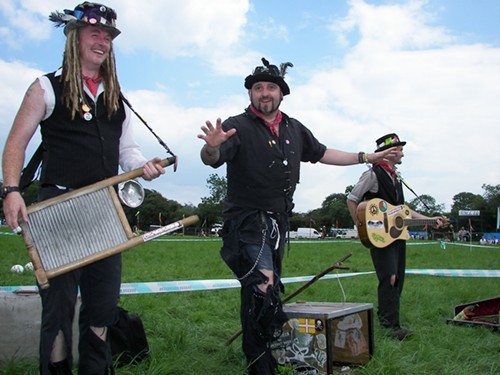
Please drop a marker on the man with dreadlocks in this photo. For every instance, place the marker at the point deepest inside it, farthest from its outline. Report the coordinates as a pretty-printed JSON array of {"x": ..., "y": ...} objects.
[
  {"x": 86, "y": 136},
  {"x": 263, "y": 148}
]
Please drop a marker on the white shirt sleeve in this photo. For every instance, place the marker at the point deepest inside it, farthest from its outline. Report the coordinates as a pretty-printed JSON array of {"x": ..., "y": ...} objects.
[
  {"x": 48, "y": 96},
  {"x": 367, "y": 182}
]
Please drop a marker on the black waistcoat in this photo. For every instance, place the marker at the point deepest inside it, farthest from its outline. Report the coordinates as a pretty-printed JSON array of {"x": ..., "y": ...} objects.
[
  {"x": 80, "y": 152},
  {"x": 265, "y": 170},
  {"x": 387, "y": 189}
]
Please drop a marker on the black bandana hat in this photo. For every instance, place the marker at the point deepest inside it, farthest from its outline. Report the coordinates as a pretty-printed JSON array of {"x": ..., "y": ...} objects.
[
  {"x": 85, "y": 14},
  {"x": 388, "y": 141},
  {"x": 269, "y": 73}
]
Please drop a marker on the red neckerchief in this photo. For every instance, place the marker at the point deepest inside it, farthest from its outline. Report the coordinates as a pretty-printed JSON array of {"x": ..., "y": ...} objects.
[
  {"x": 272, "y": 125},
  {"x": 92, "y": 83},
  {"x": 391, "y": 171}
]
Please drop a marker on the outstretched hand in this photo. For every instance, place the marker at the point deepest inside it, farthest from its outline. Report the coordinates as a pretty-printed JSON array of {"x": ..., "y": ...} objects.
[
  {"x": 379, "y": 156},
  {"x": 215, "y": 136}
]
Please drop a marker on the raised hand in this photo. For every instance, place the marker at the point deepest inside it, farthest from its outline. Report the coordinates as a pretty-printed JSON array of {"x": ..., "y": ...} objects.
[{"x": 215, "y": 136}]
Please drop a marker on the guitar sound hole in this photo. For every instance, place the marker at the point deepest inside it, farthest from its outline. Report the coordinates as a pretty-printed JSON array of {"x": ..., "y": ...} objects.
[
  {"x": 399, "y": 222},
  {"x": 395, "y": 232}
]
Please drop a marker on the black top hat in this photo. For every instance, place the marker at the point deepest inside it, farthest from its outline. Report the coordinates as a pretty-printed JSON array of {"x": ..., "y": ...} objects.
[
  {"x": 85, "y": 14},
  {"x": 388, "y": 141},
  {"x": 269, "y": 73}
]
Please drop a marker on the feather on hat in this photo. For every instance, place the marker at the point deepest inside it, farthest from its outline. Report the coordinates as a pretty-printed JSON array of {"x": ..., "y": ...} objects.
[{"x": 269, "y": 73}]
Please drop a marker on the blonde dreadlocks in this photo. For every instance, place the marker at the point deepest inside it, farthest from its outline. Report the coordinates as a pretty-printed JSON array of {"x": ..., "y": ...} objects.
[{"x": 73, "y": 93}]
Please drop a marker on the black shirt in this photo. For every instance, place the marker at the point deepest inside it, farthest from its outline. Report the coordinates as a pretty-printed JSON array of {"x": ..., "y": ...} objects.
[{"x": 262, "y": 169}]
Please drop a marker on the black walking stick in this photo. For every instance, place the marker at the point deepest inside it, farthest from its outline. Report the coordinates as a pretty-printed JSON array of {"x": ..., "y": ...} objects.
[{"x": 160, "y": 141}]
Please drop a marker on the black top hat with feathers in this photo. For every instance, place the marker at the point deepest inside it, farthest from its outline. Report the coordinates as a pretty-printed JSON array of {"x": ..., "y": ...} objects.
[{"x": 269, "y": 73}]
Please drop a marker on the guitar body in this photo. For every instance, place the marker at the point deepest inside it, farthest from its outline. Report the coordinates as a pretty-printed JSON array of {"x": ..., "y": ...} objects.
[{"x": 381, "y": 223}]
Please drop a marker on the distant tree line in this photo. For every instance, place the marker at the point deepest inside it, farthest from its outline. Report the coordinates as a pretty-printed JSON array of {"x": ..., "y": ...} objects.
[{"x": 333, "y": 213}]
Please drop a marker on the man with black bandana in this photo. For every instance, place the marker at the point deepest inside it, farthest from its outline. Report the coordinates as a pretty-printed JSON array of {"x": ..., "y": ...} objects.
[
  {"x": 263, "y": 148},
  {"x": 86, "y": 137}
]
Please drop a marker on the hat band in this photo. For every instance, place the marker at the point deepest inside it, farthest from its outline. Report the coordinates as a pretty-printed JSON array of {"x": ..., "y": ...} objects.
[
  {"x": 388, "y": 141},
  {"x": 271, "y": 70},
  {"x": 98, "y": 14}
]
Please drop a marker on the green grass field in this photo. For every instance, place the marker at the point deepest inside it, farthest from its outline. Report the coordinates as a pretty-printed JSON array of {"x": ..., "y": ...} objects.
[{"x": 187, "y": 331}]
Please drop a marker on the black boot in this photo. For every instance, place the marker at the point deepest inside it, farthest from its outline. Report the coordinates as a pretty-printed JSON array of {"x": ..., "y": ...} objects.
[
  {"x": 264, "y": 324},
  {"x": 60, "y": 368}
]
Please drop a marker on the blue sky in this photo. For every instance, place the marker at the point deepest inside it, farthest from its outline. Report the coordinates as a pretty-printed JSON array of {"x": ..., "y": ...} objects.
[{"x": 427, "y": 70}]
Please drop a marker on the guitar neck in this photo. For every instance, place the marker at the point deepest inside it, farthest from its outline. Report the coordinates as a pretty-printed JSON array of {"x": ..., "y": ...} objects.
[{"x": 416, "y": 222}]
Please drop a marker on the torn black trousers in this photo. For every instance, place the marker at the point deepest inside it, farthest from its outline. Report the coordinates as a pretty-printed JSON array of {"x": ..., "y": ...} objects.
[{"x": 388, "y": 262}]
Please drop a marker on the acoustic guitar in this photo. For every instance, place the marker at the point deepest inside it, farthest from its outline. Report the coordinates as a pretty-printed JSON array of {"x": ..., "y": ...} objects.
[{"x": 381, "y": 223}]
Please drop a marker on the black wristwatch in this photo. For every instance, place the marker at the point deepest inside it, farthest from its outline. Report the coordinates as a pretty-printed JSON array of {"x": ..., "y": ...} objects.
[{"x": 8, "y": 189}]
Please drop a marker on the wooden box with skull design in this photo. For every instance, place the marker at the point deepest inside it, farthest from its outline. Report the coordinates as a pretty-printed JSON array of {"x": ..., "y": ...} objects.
[{"x": 321, "y": 335}]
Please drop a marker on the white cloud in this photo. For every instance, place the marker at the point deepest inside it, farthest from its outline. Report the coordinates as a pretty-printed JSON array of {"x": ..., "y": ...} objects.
[
  {"x": 172, "y": 28},
  {"x": 213, "y": 32},
  {"x": 391, "y": 26},
  {"x": 439, "y": 96},
  {"x": 16, "y": 77},
  {"x": 25, "y": 22},
  {"x": 402, "y": 72}
]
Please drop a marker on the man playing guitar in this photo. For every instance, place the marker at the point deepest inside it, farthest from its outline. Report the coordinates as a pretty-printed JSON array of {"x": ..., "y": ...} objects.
[{"x": 381, "y": 181}]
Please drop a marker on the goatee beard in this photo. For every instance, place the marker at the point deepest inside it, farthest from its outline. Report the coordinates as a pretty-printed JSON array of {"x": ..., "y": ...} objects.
[{"x": 267, "y": 108}]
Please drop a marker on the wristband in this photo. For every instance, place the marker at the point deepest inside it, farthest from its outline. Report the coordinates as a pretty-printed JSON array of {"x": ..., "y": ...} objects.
[{"x": 8, "y": 189}]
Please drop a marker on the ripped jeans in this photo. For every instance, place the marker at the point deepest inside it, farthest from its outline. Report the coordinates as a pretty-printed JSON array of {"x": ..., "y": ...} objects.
[{"x": 252, "y": 242}]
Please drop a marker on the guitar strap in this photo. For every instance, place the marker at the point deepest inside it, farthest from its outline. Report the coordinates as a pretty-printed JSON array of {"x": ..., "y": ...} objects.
[{"x": 400, "y": 178}]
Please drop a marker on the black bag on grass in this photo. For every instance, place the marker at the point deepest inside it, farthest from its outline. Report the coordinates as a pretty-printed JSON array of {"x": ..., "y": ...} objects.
[{"x": 129, "y": 344}]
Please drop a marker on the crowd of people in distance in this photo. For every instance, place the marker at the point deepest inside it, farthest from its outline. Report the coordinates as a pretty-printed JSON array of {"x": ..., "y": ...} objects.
[{"x": 485, "y": 241}]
